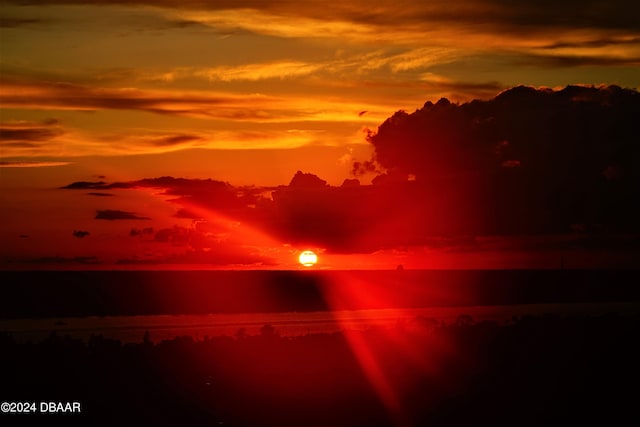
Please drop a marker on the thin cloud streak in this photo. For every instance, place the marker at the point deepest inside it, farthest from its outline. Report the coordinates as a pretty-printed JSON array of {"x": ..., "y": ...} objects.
[
  {"x": 254, "y": 72},
  {"x": 26, "y": 131},
  {"x": 31, "y": 164},
  {"x": 249, "y": 107},
  {"x": 146, "y": 141}
]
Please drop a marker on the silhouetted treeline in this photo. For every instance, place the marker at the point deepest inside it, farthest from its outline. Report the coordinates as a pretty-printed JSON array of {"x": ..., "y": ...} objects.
[{"x": 532, "y": 371}]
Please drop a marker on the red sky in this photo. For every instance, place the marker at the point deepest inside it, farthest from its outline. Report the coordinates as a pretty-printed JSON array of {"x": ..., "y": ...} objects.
[{"x": 248, "y": 93}]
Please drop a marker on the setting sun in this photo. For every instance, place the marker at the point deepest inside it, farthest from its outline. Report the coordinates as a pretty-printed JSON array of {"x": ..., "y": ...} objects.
[{"x": 308, "y": 258}]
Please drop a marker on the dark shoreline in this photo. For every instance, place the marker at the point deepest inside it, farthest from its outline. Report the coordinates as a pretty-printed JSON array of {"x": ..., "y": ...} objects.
[
  {"x": 537, "y": 370},
  {"x": 58, "y": 293}
]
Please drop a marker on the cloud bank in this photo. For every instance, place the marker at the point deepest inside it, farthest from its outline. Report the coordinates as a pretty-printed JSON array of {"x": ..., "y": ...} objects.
[{"x": 527, "y": 162}]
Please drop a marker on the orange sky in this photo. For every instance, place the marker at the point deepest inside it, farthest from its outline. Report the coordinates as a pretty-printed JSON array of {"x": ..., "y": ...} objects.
[
  {"x": 249, "y": 91},
  {"x": 118, "y": 78}
]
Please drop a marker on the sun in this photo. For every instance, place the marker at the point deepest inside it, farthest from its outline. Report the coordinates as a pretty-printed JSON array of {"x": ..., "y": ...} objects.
[{"x": 308, "y": 258}]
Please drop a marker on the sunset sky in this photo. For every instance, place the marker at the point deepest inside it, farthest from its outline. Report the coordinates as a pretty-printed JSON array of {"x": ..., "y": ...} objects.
[{"x": 247, "y": 92}]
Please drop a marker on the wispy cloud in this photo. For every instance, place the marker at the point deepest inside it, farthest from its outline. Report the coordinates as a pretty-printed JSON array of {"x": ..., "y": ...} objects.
[
  {"x": 253, "y": 72},
  {"x": 205, "y": 105},
  {"x": 526, "y": 14},
  {"x": 25, "y": 131},
  {"x": 435, "y": 22},
  {"x": 30, "y": 164},
  {"x": 475, "y": 24},
  {"x": 174, "y": 140},
  {"x": 587, "y": 50}
]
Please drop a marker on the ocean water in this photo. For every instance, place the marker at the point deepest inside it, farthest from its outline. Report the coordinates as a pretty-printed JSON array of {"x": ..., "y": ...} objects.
[
  {"x": 202, "y": 326},
  {"x": 125, "y": 305}
]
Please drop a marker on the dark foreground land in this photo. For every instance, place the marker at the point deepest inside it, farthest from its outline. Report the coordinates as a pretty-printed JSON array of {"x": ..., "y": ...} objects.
[
  {"x": 532, "y": 371},
  {"x": 29, "y": 294}
]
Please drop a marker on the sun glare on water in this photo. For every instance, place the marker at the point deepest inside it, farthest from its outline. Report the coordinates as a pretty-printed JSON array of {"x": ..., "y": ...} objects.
[{"x": 308, "y": 258}]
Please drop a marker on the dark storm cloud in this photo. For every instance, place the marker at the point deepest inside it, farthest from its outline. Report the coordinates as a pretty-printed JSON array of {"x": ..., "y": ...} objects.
[
  {"x": 526, "y": 161},
  {"x": 111, "y": 215},
  {"x": 446, "y": 134},
  {"x": 80, "y": 233}
]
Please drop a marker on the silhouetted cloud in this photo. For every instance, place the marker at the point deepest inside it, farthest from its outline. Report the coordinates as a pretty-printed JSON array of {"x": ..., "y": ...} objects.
[
  {"x": 301, "y": 179},
  {"x": 529, "y": 160},
  {"x": 80, "y": 233},
  {"x": 204, "y": 193},
  {"x": 100, "y": 194},
  {"x": 110, "y": 214},
  {"x": 86, "y": 185},
  {"x": 135, "y": 232}
]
